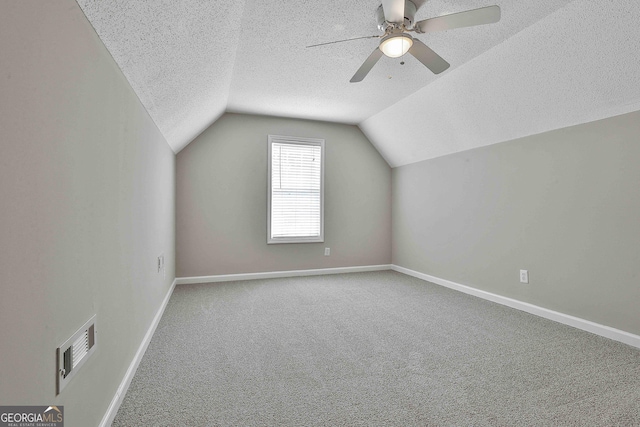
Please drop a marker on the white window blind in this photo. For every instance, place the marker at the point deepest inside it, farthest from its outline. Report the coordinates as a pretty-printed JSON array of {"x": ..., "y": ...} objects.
[{"x": 296, "y": 172}]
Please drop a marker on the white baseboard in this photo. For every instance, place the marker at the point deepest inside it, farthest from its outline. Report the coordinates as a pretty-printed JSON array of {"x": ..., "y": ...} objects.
[
  {"x": 276, "y": 274},
  {"x": 128, "y": 376},
  {"x": 576, "y": 322}
]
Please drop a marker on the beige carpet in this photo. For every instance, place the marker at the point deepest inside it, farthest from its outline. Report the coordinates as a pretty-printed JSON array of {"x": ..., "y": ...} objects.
[{"x": 369, "y": 349}]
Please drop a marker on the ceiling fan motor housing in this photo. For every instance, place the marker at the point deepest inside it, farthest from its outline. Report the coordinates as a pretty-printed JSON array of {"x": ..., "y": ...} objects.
[{"x": 409, "y": 16}]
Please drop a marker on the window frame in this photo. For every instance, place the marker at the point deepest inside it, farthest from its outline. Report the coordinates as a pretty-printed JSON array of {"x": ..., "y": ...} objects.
[{"x": 299, "y": 141}]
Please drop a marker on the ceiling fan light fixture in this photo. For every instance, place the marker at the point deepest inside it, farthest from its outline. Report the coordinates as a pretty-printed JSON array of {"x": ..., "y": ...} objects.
[{"x": 396, "y": 45}]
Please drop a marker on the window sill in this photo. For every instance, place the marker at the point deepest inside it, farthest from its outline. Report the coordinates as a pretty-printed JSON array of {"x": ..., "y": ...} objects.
[{"x": 296, "y": 240}]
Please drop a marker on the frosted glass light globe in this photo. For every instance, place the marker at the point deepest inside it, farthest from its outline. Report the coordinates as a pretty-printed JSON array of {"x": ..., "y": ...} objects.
[{"x": 395, "y": 45}]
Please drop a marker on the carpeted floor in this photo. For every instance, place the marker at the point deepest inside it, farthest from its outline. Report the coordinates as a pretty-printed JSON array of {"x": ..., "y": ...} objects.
[{"x": 372, "y": 349}]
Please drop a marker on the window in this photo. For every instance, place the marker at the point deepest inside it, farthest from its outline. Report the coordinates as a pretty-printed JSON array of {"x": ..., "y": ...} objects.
[{"x": 296, "y": 190}]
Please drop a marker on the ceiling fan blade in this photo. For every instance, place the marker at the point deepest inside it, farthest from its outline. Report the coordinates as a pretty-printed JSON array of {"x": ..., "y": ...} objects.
[
  {"x": 345, "y": 40},
  {"x": 367, "y": 66},
  {"x": 484, "y": 15},
  {"x": 429, "y": 58},
  {"x": 393, "y": 10}
]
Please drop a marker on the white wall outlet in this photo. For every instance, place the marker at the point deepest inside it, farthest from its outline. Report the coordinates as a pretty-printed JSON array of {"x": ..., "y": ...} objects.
[
  {"x": 327, "y": 251},
  {"x": 524, "y": 276},
  {"x": 161, "y": 265}
]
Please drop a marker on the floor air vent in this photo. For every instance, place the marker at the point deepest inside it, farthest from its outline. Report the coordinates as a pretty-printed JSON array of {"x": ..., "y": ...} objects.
[{"x": 74, "y": 352}]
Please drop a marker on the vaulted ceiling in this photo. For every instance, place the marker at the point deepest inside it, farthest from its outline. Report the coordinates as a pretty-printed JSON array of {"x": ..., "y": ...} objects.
[{"x": 547, "y": 64}]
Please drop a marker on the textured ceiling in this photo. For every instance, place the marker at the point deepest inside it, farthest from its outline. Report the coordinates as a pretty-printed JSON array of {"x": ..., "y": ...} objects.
[
  {"x": 177, "y": 55},
  {"x": 547, "y": 64},
  {"x": 577, "y": 65}
]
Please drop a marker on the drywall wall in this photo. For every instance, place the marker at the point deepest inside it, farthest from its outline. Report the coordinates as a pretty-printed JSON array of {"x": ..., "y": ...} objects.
[
  {"x": 87, "y": 186},
  {"x": 221, "y": 200},
  {"x": 563, "y": 205}
]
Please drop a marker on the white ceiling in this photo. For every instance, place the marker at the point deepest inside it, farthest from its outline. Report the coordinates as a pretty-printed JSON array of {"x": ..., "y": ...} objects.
[{"x": 547, "y": 64}]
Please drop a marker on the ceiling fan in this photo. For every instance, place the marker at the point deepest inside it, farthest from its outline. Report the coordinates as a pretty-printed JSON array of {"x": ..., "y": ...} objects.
[{"x": 396, "y": 19}]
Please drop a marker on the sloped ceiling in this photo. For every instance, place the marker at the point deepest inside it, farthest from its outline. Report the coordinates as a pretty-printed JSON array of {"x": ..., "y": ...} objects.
[{"x": 547, "y": 64}]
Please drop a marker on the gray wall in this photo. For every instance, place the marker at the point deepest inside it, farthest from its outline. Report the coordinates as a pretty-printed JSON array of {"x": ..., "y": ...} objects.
[
  {"x": 87, "y": 188},
  {"x": 564, "y": 204},
  {"x": 221, "y": 200}
]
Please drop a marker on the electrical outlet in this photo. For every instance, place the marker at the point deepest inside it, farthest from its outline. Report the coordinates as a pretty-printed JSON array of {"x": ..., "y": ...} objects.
[
  {"x": 161, "y": 266},
  {"x": 524, "y": 276},
  {"x": 327, "y": 251}
]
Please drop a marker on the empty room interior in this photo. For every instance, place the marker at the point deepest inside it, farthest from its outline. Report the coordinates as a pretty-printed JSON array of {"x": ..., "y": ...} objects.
[{"x": 374, "y": 212}]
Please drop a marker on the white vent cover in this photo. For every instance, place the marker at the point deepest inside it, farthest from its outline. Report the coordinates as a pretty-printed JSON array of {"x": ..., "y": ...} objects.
[{"x": 71, "y": 355}]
